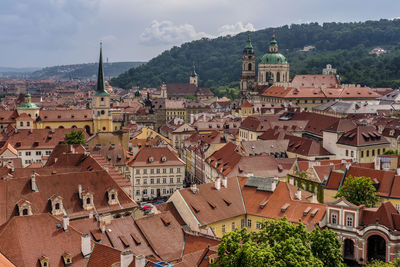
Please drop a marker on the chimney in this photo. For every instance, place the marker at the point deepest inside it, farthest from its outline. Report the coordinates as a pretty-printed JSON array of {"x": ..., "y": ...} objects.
[
  {"x": 33, "y": 183},
  {"x": 193, "y": 187},
  {"x": 12, "y": 169},
  {"x": 225, "y": 182},
  {"x": 298, "y": 194},
  {"x": 80, "y": 191},
  {"x": 140, "y": 261},
  {"x": 273, "y": 185},
  {"x": 126, "y": 258},
  {"x": 65, "y": 223},
  {"x": 398, "y": 171},
  {"x": 72, "y": 149},
  {"x": 314, "y": 199},
  {"x": 91, "y": 215},
  {"x": 218, "y": 184},
  {"x": 85, "y": 245}
]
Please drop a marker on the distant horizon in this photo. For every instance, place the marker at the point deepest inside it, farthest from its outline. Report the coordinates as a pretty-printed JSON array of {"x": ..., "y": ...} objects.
[{"x": 46, "y": 33}]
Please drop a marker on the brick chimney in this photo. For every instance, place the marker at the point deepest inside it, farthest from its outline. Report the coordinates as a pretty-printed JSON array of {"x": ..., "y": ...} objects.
[
  {"x": 126, "y": 258},
  {"x": 225, "y": 182},
  {"x": 140, "y": 261},
  {"x": 218, "y": 184},
  {"x": 80, "y": 191},
  {"x": 33, "y": 183},
  {"x": 298, "y": 194},
  {"x": 65, "y": 223},
  {"x": 85, "y": 245}
]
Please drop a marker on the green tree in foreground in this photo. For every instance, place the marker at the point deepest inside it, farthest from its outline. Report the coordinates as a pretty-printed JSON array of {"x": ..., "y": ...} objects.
[
  {"x": 376, "y": 263},
  {"x": 359, "y": 191},
  {"x": 280, "y": 243},
  {"x": 75, "y": 138}
]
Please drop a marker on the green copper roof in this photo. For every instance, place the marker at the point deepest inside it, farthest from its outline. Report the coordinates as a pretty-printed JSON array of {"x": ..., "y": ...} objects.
[
  {"x": 28, "y": 106},
  {"x": 273, "y": 57},
  {"x": 101, "y": 87},
  {"x": 248, "y": 49}
]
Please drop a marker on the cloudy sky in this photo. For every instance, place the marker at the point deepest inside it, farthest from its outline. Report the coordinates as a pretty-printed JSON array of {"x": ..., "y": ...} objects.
[{"x": 37, "y": 33}]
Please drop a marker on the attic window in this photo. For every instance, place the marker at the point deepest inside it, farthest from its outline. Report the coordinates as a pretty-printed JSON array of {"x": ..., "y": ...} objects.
[
  {"x": 163, "y": 159},
  {"x": 18, "y": 144},
  {"x": 124, "y": 241},
  {"x": 285, "y": 207},
  {"x": 36, "y": 144},
  {"x": 263, "y": 204},
  {"x": 306, "y": 211},
  {"x": 314, "y": 212},
  {"x": 165, "y": 220},
  {"x": 212, "y": 205},
  {"x": 136, "y": 239},
  {"x": 227, "y": 202},
  {"x": 45, "y": 117},
  {"x": 67, "y": 258},
  {"x": 196, "y": 209},
  {"x": 151, "y": 159},
  {"x": 59, "y": 116}
]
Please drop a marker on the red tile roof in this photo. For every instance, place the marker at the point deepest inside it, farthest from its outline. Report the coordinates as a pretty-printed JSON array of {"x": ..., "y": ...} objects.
[
  {"x": 362, "y": 136},
  {"x": 156, "y": 156}
]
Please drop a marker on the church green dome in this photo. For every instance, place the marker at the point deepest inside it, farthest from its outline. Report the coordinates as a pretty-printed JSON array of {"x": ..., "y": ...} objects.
[{"x": 273, "y": 58}]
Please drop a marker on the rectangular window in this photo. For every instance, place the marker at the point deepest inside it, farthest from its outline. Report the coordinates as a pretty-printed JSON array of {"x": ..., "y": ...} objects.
[
  {"x": 347, "y": 153},
  {"x": 158, "y": 171},
  {"x": 242, "y": 223},
  {"x": 171, "y": 170},
  {"x": 164, "y": 191},
  {"x": 137, "y": 171},
  {"x": 48, "y": 152},
  {"x": 373, "y": 152},
  {"x": 137, "y": 192},
  {"x": 151, "y": 181},
  {"x": 362, "y": 154},
  {"x": 38, "y": 153},
  {"x": 164, "y": 180},
  {"x": 151, "y": 171},
  {"x": 164, "y": 170},
  {"x": 27, "y": 153},
  {"x": 21, "y": 123},
  {"x": 178, "y": 180},
  {"x": 249, "y": 223},
  {"x": 258, "y": 225},
  {"x": 349, "y": 220},
  {"x": 152, "y": 191},
  {"x": 367, "y": 153},
  {"x": 223, "y": 229},
  {"x": 383, "y": 150},
  {"x": 171, "y": 180},
  {"x": 158, "y": 180},
  {"x": 178, "y": 170},
  {"x": 144, "y": 191},
  {"x": 144, "y": 171},
  {"x": 137, "y": 181},
  {"x": 28, "y": 123},
  {"x": 233, "y": 226},
  {"x": 397, "y": 206},
  {"x": 334, "y": 218},
  {"x": 144, "y": 181},
  {"x": 379, "y": 151},
  {"x": 352, "y": 153}
]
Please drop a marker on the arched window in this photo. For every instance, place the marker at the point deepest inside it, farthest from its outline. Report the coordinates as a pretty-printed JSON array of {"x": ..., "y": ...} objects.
[
  {"x": 334, "y": 218},
  {"x": 278, "y": 76},
  {"x": 25, "y": 212},
  {"x": 249, "y": 66},
  {"x": 61, "y": 127},
  {"x": 57, "y": 206},
  {"x": 88, "y": 200}
]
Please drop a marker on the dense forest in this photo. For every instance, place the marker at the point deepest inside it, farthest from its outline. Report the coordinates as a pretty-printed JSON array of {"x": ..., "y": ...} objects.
[
  {"x": 82, "y": 71},
  {"x": 218, "y": 61}
]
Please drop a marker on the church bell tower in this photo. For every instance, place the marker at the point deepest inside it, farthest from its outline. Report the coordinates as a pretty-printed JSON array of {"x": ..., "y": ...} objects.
[{"x": 248, "y": 79}]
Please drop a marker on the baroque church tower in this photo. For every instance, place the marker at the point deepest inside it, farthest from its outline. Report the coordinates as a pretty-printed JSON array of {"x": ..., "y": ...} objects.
[
  {"x": 102, "y": 118},
  {"x": 248, "y": 78}
]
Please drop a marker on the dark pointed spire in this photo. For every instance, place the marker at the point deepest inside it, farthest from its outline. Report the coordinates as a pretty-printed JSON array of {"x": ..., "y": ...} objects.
[
  {"x": 101, "y": 87},
  {"x": 194, "y": 74},
  {"x": 248, "y": 49}
]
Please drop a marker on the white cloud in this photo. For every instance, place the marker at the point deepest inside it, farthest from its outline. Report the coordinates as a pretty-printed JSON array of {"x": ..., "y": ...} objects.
[
  {"x": 232, "y": 29},
  {"x": 166, "y": 32}
]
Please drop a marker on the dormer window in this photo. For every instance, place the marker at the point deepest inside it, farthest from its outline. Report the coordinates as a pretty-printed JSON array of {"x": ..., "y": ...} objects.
[
  {"x": 87, "y": 200},
  {"x": 112, "y": 194},
  {"x": 24, "y": 207},
  {"x": 67, "y": 258},
  {"x": 151, "y": 159},
  {"x": 163, "y": 159},
  {"x": 57, "y": 207},
  {"x": 44, "y": 261}
]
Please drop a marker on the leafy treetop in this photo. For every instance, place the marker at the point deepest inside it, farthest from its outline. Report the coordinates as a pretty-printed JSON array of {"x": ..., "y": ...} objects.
[
  {"x": 75, "y": 137},
  {"x": 359, "y": 191}
]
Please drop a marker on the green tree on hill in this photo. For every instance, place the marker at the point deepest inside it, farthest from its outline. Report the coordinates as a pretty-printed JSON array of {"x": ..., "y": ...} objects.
[
  {"x": 280, "y": 243},
  {"x": 359, "y": 191},
  {"x": 75, "y": 138}
]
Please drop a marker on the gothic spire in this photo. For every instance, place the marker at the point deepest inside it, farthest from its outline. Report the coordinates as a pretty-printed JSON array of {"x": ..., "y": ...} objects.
[{"x": 101, "y": 88}]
